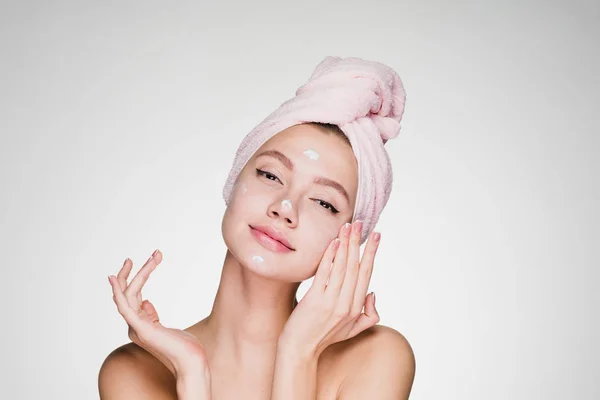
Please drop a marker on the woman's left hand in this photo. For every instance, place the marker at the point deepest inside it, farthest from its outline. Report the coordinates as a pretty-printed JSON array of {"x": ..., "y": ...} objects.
[{"x": 331, "y": 311}]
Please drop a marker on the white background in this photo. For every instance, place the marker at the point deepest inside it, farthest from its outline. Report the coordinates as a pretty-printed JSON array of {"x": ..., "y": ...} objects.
[{"x": 119, "y": 121}]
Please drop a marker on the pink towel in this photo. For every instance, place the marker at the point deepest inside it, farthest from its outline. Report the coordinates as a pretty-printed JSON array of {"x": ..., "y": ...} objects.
[{"x": 366, "y": 100}]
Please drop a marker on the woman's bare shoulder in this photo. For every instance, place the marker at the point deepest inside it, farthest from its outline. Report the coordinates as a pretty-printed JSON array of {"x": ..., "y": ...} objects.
[
  {"x": 130, "y": 372},
  {"x": 358, "y": 364}
]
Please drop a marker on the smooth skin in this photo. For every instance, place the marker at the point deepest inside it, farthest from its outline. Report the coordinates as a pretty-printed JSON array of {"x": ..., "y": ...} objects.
[
  {"x": 259, "y": 343},
  {"x": 330, "y": 312}
]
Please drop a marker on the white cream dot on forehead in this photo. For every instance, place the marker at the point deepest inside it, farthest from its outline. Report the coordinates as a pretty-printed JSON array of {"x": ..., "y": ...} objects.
[
  {"x": 286, "y": 205},
  {"x": 312, "y": 154},
  {"x": 257, "y": 259}
]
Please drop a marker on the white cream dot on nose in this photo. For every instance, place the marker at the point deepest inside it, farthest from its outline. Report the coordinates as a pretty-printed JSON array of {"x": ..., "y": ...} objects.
[{"x": 286, "y": 205}]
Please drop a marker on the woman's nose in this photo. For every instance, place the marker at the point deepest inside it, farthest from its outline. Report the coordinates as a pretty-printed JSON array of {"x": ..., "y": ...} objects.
[{"x": 285, "y": 210}]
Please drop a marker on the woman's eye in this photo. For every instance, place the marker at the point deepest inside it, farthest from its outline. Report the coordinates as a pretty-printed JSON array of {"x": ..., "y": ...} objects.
[
  {"x": 272, "y": 177},
  {"x": 328, "y": 206},
  {"x": 266, "y": 175}
]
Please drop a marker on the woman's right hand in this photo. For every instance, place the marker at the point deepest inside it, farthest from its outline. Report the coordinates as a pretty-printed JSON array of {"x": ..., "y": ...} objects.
[{"x": 178, "y": 350}]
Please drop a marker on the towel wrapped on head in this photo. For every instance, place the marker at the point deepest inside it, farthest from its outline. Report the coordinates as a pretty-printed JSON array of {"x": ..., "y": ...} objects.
[{"x": 366, "y": 100}]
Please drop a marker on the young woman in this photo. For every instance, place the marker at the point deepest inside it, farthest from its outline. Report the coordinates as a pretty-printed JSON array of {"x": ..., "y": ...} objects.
[{"x": 305, "y": 191}]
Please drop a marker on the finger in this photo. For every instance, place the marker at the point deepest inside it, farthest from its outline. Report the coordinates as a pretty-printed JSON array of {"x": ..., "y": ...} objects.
[
  {"x": 142, "y": 276},
  {"x": 338, "y": 269},
  {"x": 365, "y": 271},
  {"x": 124, "y": 272},
  {"x": 150, "y": 310},
  {"x": 368, "y": 319},
  {"x": 349, "y": 285},
  {"x": 325, "y": 265},
  {"x": 129, "y": 314}
]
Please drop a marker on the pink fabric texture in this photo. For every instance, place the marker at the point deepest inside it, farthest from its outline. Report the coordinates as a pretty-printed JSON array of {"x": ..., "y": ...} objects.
[{"x": 366, "y": 100}]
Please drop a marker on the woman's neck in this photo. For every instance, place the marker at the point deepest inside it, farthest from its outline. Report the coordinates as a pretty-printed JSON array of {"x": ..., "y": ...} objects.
[{"x": 248, "y": 314}]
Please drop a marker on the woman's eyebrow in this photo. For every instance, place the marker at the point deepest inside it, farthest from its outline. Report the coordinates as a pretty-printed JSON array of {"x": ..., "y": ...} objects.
[
  {"x": 280, "y": 156},
  {"x": 319, "y": 180}
]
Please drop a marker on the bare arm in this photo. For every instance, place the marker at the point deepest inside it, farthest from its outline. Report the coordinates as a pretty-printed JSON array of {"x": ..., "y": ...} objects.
[
  {"x": 194, "y": 387},
  {"x": 295, "y": 375}
]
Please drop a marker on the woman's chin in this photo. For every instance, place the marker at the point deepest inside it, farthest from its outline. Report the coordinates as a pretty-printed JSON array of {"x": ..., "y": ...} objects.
[{"x": 269, "y": 266}]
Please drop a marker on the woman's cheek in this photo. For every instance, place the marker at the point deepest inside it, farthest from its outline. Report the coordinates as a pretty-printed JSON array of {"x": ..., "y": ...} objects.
[
  {"x": 323, "y": 233},
  {"x": 327, "y": 227},
  {"x": 237, "y": 192},
  {"x": 246, "y": 195}
]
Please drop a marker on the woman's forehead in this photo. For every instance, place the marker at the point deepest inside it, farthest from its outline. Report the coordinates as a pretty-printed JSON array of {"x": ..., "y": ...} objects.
[
  {"x": 306, "y": 141},
  {"x": 314, "y": 153}
]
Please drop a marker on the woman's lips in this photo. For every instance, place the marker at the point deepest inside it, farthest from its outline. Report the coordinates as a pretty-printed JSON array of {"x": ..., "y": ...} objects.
[{"x": 268, "y": 242}]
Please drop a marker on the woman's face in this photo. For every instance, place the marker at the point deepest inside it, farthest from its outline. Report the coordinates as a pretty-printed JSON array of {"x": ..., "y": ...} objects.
[{"x": 284, "y": 187}]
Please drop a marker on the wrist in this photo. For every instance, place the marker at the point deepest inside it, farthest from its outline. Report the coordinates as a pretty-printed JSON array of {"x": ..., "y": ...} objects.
[
  {"x": 289, "y": 350},
  {"x": 295, "y": 375},
  {"x": 193, "y": 387},
  {"x": 191, "y": 368}
]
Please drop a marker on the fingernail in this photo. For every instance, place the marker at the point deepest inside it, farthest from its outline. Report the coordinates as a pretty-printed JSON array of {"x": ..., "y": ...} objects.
[
  {"x": 358, "y": 227},
  {"x": 155, "y": 251},
  {"x": 376, "y": 236},
  {"x": 374, "y": 299},
  {"x": 125, "y": 262},
  {"x": 148, "y": 260},
  {"x": 109, "y": 281},
  {"x": 347, "y": 229},
  {"x": 336, "y": 244}
]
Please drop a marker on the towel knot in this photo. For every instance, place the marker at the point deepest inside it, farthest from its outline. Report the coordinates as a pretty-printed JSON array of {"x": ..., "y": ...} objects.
[{"x": 359, "y": 89}]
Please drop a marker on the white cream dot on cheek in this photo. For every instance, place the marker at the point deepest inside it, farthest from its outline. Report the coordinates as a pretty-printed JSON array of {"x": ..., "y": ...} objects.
[
  {"x": 312, "y": 154},
  {"x": 257, "y": 259},
  {"x": 286, "y": 205}
]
